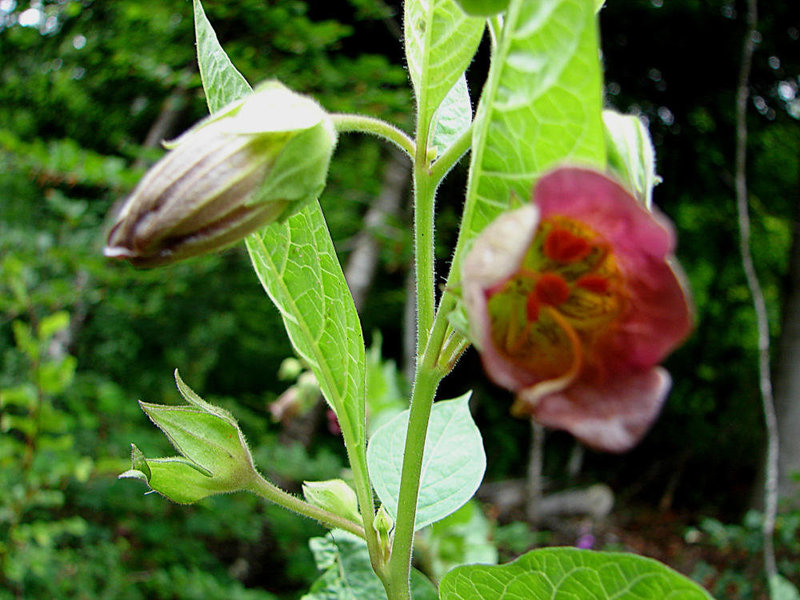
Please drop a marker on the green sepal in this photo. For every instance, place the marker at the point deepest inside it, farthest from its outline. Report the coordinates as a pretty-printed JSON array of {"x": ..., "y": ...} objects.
[
  {"x": 301, "y": 169},
  {"x": 214, "y": 457},
  {"x": 333, "y": 495},
  {"x": 138, "y": 462}
]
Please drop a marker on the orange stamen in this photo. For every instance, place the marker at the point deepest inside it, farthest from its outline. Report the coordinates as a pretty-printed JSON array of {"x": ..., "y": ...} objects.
[
  {"x": 532, "y": 307},
  {"x": 529, "y": 397},
  {"x": 593, "y": 283},
  {"x": 564, "y": 246},
  {"x": 551, "y": 289}
]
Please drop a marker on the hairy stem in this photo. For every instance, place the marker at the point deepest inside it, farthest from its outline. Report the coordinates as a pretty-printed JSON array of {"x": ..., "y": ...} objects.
[
  {"x": 427, "y": 379},
  {"x": 424, "y": 202},
  {"x": 422, "y": 397},
  {"x": 345, "y": 123},
  {"x": 268, "y": 491},
  {"x": 452, "y": 155}
]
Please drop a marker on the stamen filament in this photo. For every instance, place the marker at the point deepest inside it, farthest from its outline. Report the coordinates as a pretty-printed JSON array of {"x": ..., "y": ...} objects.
[{"x": 528, "y": 397}]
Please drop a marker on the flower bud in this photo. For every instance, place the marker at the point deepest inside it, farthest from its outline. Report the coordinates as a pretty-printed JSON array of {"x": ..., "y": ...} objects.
[
  {"x": 333, "y": 495},
  {"x": 255, "y": 161},
  {"x": 214, "y": 457},
  {"x": 384, "y": 527}
]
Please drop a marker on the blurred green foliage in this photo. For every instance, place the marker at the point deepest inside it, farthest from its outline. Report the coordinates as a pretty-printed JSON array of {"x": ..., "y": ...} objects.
[
  {"x": 731, "y": 571},
  {"x": 82, "y": 85}
]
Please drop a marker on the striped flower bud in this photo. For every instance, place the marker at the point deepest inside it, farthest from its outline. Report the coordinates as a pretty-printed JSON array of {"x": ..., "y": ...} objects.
[{"x": 255, "y": 161}]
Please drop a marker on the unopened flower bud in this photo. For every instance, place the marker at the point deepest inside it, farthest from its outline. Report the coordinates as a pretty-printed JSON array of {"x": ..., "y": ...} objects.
[
  {"x": 214, "y": 457},
  {"x": 384, "y": 527},
  {"x": 333, "y": 495},
  {"x": 255, "y": 161}
]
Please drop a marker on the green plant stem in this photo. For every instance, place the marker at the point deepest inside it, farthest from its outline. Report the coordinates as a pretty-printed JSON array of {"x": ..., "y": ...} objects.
[
  {"x": 268, "y": 491},
  {"x": 356, "y": 454},
  {"x": 424, "y": 202},
  {"x": 426, "y": 381},
  {"x": 424, "y": 190},
  {"x": 425, "y": 384},
  {"x": 348, "y": 123},
  {"x": 452, "y": 155}
]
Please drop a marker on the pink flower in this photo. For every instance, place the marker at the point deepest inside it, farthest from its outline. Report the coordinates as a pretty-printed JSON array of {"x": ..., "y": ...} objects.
[{"x": 573, "y": 301}]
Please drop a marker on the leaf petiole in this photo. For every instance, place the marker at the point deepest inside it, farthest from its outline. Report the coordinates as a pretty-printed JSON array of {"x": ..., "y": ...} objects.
[{"x": 346, "y": 123}]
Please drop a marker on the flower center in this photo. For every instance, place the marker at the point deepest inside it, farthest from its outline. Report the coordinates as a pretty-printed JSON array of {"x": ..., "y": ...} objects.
[
  {"x": 561, "y": 245},
  {"x": 568, "y": 290}
]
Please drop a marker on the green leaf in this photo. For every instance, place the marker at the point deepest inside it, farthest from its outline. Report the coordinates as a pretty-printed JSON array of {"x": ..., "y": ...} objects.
[
  {"x": 52, "y": 324},
  {"x": 440, "y": 41},
  {"x": 541, "y": 106},
  {"x": 25, "y": 341},
  {"x": 385, "y": 400},
  {"x": 222, "y": 82},
  {"x": 465, "y": 537},
  {"x": 452, "y": 466},
  {"x": 54, "y": 377},
  {"x": 347, "y": 572},
  {"x": 453, "y": 117},
  {"x": 782, "y": 589},
  {"x": 297, "y": 265},
  {"x": 23, "y": 395},
  {"x": 569, "y": 574},
  {"x": 483, "y": 8},
  {"x": 630, "y": 154}
]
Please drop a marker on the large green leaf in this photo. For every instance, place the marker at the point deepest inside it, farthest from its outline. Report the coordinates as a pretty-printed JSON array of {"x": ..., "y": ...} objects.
[
  {"x": 440, "y": 42},
  {"x": 541, "y": 106},
  {"x": 297, "y": 265},
  {"x": 347, "y": 572},
  {"x": 570, "y": 574},
  {"x": 452, "y": 466}
]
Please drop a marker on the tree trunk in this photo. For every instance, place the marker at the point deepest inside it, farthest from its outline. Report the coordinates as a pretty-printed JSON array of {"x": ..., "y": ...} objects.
[
  {"x": 363, "y": 261},
  {"x": 787, "y": 377}
]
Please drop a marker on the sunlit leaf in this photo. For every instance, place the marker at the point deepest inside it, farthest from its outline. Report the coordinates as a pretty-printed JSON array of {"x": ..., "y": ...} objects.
[
  {"x": 297, "y": 265},
  {"x": 222, "y": 82},
  {"x": 569, "y": 574},
  {"x": 440, "y": 40},
  {"x": 541, "y": 106}
]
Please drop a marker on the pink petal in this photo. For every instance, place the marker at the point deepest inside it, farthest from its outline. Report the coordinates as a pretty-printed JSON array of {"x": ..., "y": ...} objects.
[
  {"x": 609, "y": 209},
  {"x": 613, "y": 418},
  {"x": 495, "y": 256},
  {"x": 660, "y": 316}
]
